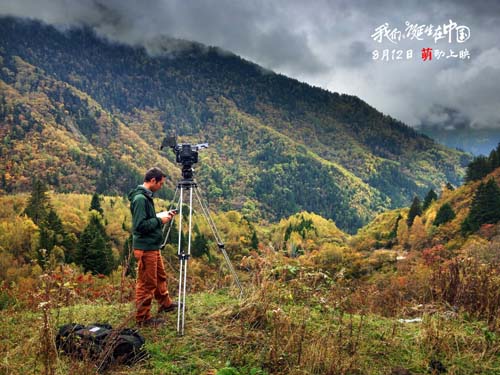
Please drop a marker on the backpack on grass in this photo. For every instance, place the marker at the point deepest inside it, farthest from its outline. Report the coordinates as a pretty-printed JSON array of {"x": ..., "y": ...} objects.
[{"x": 102, "y": 344}]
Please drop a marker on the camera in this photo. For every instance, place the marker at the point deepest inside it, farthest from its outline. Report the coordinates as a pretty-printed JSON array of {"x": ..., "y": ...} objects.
[{"x": 185, "y": 154}]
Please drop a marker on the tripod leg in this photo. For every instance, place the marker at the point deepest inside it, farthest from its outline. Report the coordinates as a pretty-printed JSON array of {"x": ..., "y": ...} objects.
[
  {"x": 220, "y": 244},
  {"x": 181, "y": 261},
  {"x": 187, "y": 258},
  {"x": 182, "y": 311}
]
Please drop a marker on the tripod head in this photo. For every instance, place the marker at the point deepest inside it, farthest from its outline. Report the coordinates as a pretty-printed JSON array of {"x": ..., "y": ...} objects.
[{"x": 185, "y": 154}]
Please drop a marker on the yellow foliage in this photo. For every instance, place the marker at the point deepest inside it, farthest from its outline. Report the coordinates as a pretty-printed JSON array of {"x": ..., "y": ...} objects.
[
  {"x": 321, "y": 231},
  {"x": 418, "y": 234},
  {"x": 17, "y": 235},
  {"x": 329, "y": 254}
]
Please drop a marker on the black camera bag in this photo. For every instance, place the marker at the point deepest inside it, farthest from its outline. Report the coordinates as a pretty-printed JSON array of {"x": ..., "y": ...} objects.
[{"x": 101, "y": 343}]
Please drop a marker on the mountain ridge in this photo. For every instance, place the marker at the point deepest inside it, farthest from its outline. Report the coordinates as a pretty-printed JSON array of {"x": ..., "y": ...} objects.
[{"x": 365, "y": 161}]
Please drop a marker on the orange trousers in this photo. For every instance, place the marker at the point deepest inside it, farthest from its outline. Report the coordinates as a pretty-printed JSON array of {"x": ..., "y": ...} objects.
[{"x": 151, "y": 283}]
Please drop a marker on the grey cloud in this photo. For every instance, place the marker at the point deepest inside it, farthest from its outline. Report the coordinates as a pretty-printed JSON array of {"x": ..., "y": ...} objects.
[
  {"x": 324, "y": 42},
  {"x": 358, "y": 54}
]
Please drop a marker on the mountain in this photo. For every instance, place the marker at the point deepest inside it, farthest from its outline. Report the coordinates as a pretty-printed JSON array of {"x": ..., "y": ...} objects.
[
  {"x": 476, "y": 141},
  {"x": 85, "y": 114}
]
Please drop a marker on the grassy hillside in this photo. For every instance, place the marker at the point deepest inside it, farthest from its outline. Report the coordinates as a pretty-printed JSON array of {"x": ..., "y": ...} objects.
[
  {"x": 391, "y": 299},
  {"x": 286, "y": 324}
]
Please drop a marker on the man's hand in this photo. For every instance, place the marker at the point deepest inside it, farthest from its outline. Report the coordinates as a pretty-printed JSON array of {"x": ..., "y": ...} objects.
[{"x": 171, "y": 214}]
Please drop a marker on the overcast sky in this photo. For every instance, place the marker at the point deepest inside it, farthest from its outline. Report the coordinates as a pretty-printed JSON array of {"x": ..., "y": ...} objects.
[{"x": 327, "y": 43}]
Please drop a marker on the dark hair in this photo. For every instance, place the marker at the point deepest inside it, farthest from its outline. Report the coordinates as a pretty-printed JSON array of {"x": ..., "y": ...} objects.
[{"x": 155, "y": 173}]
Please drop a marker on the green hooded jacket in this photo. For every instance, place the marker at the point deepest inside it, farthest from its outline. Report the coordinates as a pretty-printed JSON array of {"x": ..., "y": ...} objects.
[{"x": 146, "y": 227}]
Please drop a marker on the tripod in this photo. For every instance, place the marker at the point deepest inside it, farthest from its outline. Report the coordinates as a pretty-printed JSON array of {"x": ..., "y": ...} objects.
[{"x": 187, "y": 185}]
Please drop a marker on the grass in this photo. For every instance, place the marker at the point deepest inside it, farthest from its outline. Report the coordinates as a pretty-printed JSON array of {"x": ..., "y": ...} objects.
[{"x": 267, "y": 332}]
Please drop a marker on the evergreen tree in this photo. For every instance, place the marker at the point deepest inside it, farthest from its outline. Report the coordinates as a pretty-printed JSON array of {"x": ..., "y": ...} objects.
[
  {"x": 478, "y": 168},
  {"x": 494, "y": 158},
  {"x": 429, "y": 198},
  {"x": 444, "y": 215},
  {"x": 93, "y": 251},
  {"x": 44, "y": 246},
  {"x": 39, "y": 204},
  {"x": 52, "y": 234},
  {"x": 3, "y": 184},
  {"x": 288, "y": 232},
  {"x": 482, "y": 165},
  {"x": 95, "y": 204},
  {"x": 485, "y": 207},
  {"x": 415, "y": 210},
  {"x": 497, "y": 157},
  {"x": 254, "y": 243},
  {"x": 54, "y": 223},
  {"x": 199, "y": 247}
]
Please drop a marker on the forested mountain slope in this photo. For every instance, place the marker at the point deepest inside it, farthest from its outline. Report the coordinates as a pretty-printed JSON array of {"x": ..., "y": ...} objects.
[{"x": 86, "y": 114}]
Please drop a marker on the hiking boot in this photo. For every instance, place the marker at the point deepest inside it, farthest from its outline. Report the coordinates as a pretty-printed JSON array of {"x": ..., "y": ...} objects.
[
  {"x": 173, "y": 306},
  {"x": 151, "y": 322}
]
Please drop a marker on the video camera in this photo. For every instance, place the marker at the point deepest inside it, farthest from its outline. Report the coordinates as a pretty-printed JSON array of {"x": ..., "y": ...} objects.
[{"x": 185, "y": 154}]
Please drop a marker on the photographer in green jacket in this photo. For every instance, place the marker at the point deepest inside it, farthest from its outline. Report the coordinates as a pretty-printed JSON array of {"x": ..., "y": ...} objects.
[{"x": 147, "y": 239}]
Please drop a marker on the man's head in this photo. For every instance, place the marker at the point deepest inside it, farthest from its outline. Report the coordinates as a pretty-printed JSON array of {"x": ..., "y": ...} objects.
[{"x": 154, "y": 179}]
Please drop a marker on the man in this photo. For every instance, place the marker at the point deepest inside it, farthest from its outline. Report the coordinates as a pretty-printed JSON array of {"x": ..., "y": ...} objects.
[{"x": 147, "y": 239}]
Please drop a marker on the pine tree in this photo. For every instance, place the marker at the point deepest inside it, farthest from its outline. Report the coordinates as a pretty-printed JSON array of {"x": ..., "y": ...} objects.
[
  {"x": 39, "y": 203},
  {"x": 494, "y": 159},
  {"x": 429, "y": 198},
  {"x": 94, "y": 252},
  {"x": 254, "y": 243},
  {"x": 498, "y": 157},
  {"x": 415, "y": 210},
  {"x": 54, "y": 223},
  {"x": 478, "y": 168},
  {"x": 444, "y": 215},
  {"x": 485, "y": 207},
  {"x": 52, "y": 234},
  {"x": 199, "y": 246},
  {"x": 95, "y": 204}
]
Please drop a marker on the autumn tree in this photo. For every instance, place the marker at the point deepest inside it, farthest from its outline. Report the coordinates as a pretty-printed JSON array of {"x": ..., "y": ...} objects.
[
  {"x": 403, "y": 234},
  {"x": 418, "y": 235}
]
